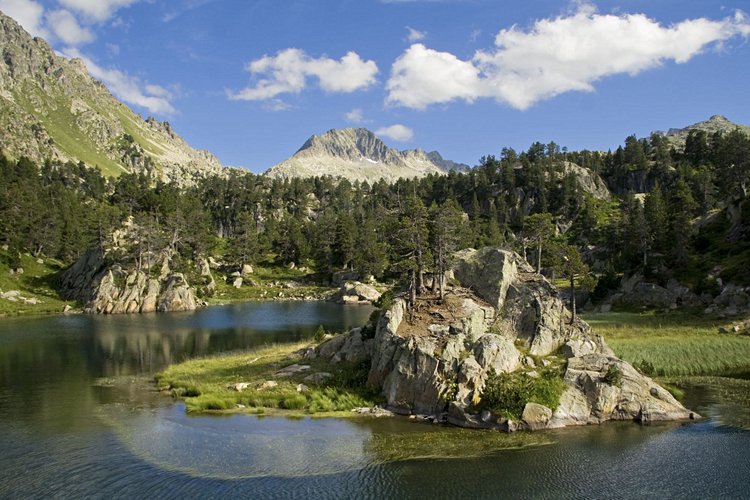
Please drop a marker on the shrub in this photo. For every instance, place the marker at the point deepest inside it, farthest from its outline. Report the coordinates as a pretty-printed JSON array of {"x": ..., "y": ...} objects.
[
  {"x": 645, "y": 367},
  {"x": 506, "y": 394},
  {"x": 319, "y": 334},
  {"x": 613, "y": 376},
  {"x": 385, "y": 301}
]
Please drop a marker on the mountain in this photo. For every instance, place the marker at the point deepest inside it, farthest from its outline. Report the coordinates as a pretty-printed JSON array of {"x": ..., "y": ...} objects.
[
  {"x": 51, "y": 108},
  {"x": 716, "y": 123},
  {"x": 359, "y": 155}
]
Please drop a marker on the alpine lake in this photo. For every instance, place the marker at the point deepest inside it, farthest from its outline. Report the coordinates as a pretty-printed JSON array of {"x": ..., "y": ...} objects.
[{"x": 81, "y": 417}]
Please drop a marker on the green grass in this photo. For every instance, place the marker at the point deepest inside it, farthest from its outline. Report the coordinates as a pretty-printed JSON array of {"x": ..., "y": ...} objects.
[
  {"x": 506, "y": 394},
  {"x": 203, "y": 382},
  {"x": 677, "y": 344},
  {"x": 37, "y": 281},
  {"x": 61, "y": 125}
]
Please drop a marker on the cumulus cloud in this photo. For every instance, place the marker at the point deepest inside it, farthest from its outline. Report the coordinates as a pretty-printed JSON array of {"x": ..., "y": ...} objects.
[
  {"x": 28, "y": 13},
  {"x": 128, "y": 88},
  {"x": 397, "y": 132},
  {"x": 422, "y": 76},
  {"x": 289, "y": 70},
  {"x": 97, "y": 10},
  {"x": 355, "y": 116},
  {"x": 415, "y": 35},
  {"x": 65, "y": 27},
  {"x": 567, "y": 53}
]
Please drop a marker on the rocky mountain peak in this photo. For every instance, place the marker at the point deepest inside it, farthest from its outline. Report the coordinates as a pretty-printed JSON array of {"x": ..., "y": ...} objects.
[
  {"x": 717, "y": 123},
  {"x": 349, "y": 143},
  {"x": 359, "y": 155}
]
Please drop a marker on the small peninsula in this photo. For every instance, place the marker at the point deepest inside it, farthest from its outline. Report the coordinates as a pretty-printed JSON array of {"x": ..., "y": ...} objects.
[{"x": 500, "y": 351}]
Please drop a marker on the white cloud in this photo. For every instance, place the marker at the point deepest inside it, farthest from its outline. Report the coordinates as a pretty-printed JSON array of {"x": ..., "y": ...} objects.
[
  {"x": 65, "y": 27},
  {"x": 276, "y": 105},
  {"x": 355, "y": 116},
  {"x": 97, "y": 10},
  {"x": 289, "y": 69},
  {"x": 27, "y": 13},
  {"x": 553, "y": 57},
  {"x": 422, "y": 76},
  {"x": 130, "y": 89},
  {"x": 415, "y": 35},
  {"x": 397, "y": 132}
]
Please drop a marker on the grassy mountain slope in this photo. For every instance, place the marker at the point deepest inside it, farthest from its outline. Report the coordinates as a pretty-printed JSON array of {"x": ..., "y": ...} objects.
[{"x": 51, "y": 108}]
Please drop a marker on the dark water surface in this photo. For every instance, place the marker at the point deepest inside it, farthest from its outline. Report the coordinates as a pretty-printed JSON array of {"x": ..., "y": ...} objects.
[{"x": 78, "y": 418}]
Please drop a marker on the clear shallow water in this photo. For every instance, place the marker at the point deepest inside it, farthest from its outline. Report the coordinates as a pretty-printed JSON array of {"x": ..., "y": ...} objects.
[{"x": 78, "y": 418}]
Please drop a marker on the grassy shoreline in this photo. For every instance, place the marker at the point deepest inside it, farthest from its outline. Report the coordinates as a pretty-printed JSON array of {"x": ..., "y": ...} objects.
[
  {"x": 677, "y": 348},
  {"x": 205, "y": 384}
]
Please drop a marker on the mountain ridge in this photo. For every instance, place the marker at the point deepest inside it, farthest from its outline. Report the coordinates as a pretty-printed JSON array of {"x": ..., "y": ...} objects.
[
  {"x": 716, "y": 123},
  {"x": 358, "y": 154},
  {"x": 51, "y": 108}
]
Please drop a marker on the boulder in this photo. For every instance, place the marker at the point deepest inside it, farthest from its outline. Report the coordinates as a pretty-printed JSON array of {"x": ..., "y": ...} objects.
[
  {"x": 247, "y": 269},
  {"x": 497, "y": 353},
  {"x": 536, "y": 416},
  {"x": 489, "y": 272},
  {"x": 356, "y": 293}
]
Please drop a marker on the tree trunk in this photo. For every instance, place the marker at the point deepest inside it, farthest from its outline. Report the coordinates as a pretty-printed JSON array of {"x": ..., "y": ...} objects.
[
  {"x": 572, "y": 299},
  {"x": 539, "y": 258},
  {"x": 412, "y": 290}
]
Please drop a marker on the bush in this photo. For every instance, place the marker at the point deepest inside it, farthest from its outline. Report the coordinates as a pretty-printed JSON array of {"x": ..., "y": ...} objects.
[
  {"x": 319, "y": 334},
  {"x": 506, "y": 394},
  {"x": 613, "y": 376},
  {"x": 385, "y": 301},
  {"x": 368, "y": 331},
  {"x": 645, "y": 367}
]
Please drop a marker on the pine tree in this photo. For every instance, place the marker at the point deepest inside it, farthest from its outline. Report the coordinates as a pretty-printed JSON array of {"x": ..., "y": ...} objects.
[
  {"x": 446, "y": 221},
  {"x": 537, "y": 230}
]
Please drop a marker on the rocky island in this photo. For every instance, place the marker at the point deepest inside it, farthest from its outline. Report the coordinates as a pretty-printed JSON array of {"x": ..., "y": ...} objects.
[{"x": 500, "y": 351}]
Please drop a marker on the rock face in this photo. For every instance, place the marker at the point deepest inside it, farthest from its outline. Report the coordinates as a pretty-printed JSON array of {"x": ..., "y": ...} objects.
[
  {"x": 588, "y": 181},
  {"x": 51, "y": 108},
  {"x": 107, "y": 289},
  {"x": 503, "y": 318},
  {"x": 117, "y": 279},
  {"x": 359, "y": 155}
]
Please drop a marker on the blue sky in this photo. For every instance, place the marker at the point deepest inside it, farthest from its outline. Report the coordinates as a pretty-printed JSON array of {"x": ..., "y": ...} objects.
[{"x": 252, "y": 80}]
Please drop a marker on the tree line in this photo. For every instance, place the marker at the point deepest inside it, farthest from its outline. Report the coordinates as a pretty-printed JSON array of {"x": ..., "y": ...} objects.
[{"x": 528, "y": 201}]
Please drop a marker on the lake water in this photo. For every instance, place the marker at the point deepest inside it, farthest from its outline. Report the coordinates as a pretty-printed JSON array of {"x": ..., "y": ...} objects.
[{"x": 80, "y": 418}]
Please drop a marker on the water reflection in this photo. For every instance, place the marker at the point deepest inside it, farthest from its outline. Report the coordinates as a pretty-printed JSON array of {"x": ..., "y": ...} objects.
[
  {"x": 79, "y": 418},
  {"x": 49, "y": 366}
]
